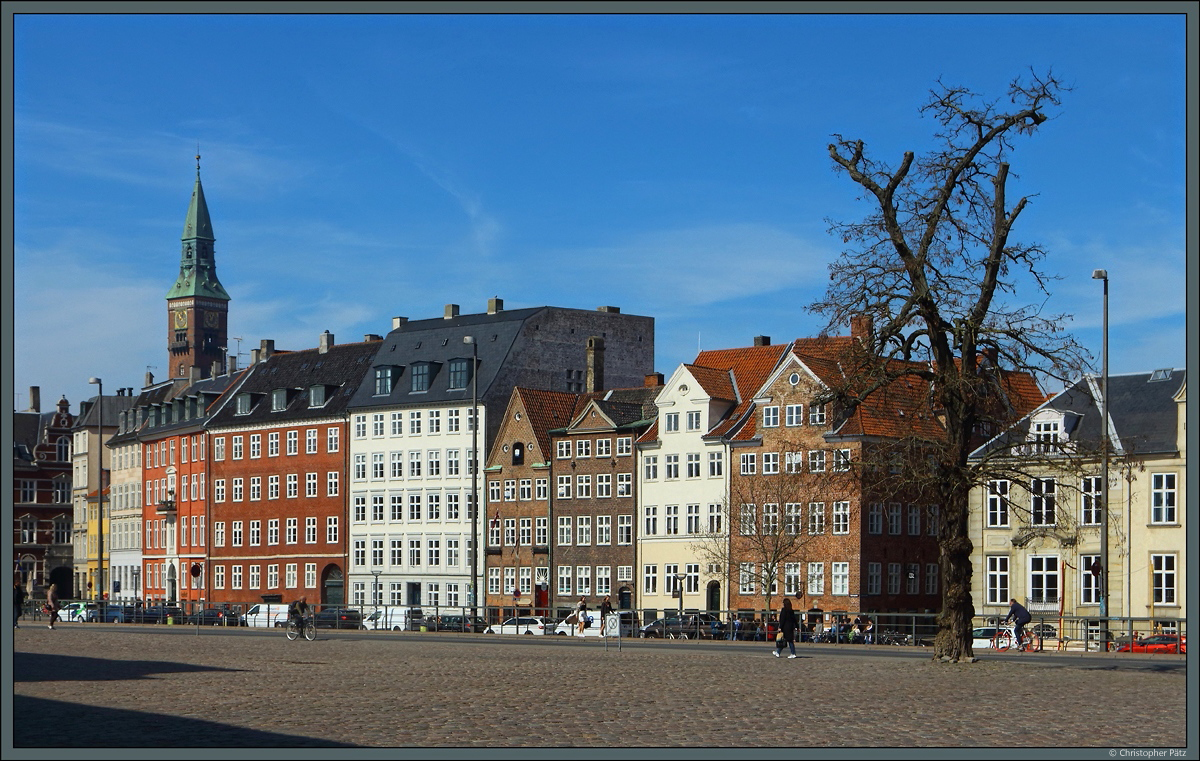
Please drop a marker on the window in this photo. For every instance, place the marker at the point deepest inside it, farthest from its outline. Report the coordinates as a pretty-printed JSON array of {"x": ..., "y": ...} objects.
[
  {"x": 377, "y": 469},
  {"x": 816, "y": 461},
  {"x": 310, "y": 440},
  {"x": 278, "y": 400},
  {"x": 564, "y": 487},
  {"x": 749, "y": 464},
  {"x": 874, "y": 578},
  {"x": 236, "y": 496},
  {"x": 414, "y": 422},
  {"x": 219, "y": 448},
  {"x": 893, "y": 578},
  {"x": 433, "y": 552},
  {"x": 816, "y": 414},
  {"x": 841, "y": 517},
  {"x": 893, "y": 516},
  {"x": 460, "y": 373},
  {"x": 693, "y": 420},
  {"x": 914, "y": 520},
  {"x": 933, "y": 520},
  {"x": 218, "y": 489},
  {"x": 273, "y": 444},
  {"x": 650, "y": 579},
  {"x": 715, "y": 464},
  {"x": 671, "y": 520},
  {"x": 693, "y": 465},
  {"x": 316, "y": 396},
  {"x": 671, "y": 466},
  {"x": 603, "y": 447},
  {"x": 414, "y": 507},
  {"x": 840, "y": 578},
  {"x": 243, "y": 404},
  {"x": 1162, "y": 498},
  {"x": 816, "y": 578},
  {"x": 671, "y": 422},
  {"x": 770, "y": 417},
  {"x": 1164, "y": 578},
  {"x": 747, "y": 519},
  {"x": 604, "y": 485},
  {"x": 583, "y": 579},
  {"x": 650, "y": 468},
  {"x": 563, "y": 449},
  {"x": 310, "y": 530},
  {"x": 236, "y": 534},
  {"x": 625, "y": 529},
  {"x": 331, "y": 530},
  {"x": 414, "y": 464},
  {"x": 693, "y": 519},
  {"x": 360, "y": 426},
  {"x": 255, "y": 533},
  {"x": 583, "y": 487},
  {"x": 541, "y": 535},
  {"x": 525, "y": 489},
  {"x": 293, "y": 442},
  {"x": 793, "y": 415},
  {"x": 875, "y": 518},
  {"x": 1089, "y": 587},
  {"x": 912, "y": 579},
  {"x": 816, "y": 518},
  {"x": 332, "y": 439},
  {"x": 510, "y": 532},
  {"x": 1090, "y": 500},
  {"x": 1042, "y": 491},
  {"x": 237, "y": 447},
  {"x": 770, "y": 463},
  {"x": 583, "y": 530},
  {"x": 310, "y": 484},
  {"x": 624, "y": 446},
  {"x": 564, "y": 579},
  {"x": 219, "y": 534},
  {"x": 931, "y": 578},
  {"x": 273, "y": 576},
  {"x": 414, "y": 552},
  {"x": 650, "y": 513},
  {"x": 746, "y": 578},
  {"x": 583, "y": 448},
  {"x": 383, "y": 380},
  {"x": 1043, "y": 579},
  {"x": 420, "y": 377},
  {"x": 841, "y": 460},
  {"x": 1044, "y": 436},
  {"x": 564, "y": 530},
  {"x": 624, "y": 484},
  {"x": 997, "y": 504},
  {"x": 770, "y": 520}
]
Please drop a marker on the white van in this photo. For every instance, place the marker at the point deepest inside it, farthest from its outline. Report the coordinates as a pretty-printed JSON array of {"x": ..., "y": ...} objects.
[
  {"x": 266, "y": 614},
  {"x": 394, "y": 617}
]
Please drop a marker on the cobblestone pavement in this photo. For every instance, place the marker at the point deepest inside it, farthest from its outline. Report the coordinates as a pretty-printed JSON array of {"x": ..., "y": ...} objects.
[{"x": 119, "y": 686}]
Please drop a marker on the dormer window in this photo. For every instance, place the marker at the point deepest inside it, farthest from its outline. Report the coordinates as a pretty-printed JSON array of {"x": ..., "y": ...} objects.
[
  {"x": 460, "y": 373},
  {"x": 385, "y": 379},
  {"x": 316, "y": 396},
  {"x": 420, "y": 377},
  {"x": 243, "y": 404},
  {"x": 279, "y": 400}
]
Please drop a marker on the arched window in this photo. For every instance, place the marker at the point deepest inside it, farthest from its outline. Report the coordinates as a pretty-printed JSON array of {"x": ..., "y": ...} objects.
[{"x": 64, "y": 448}]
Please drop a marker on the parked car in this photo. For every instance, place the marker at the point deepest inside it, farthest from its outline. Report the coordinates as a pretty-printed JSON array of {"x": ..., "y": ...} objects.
[
  {"x": 338, "y": 618},
  {"x": 154, "y": 614},
  {"x": 568, "y": 628},
  {"x": 266, "y": 614},
  {"x": 982, "y": 637},
  {"x": 455, "y": 623},
  {"x": 76, "y": 611},
  {"x": 394, "y": 617},
  {"x": 1043, "y": 631},
  {"x": 108, "y": 614},
  {"x": 215, "y": 617},
  {"x": 521, "y": 625},
  {"x": 689, "y": 626},
  {"x": 1159, "y": 643}
]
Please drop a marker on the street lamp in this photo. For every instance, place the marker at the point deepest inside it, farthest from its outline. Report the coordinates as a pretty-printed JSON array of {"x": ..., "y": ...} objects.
[
  {"x": 375, "y": 589},
  {"x": 1103, "y": 579},
  {"x": 474, "y": 461},
  {"x": 100, "y": 486}
]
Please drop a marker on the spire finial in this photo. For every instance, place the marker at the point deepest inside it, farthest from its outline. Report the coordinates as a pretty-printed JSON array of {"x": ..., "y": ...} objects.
[{"x": 197, "y": 159}]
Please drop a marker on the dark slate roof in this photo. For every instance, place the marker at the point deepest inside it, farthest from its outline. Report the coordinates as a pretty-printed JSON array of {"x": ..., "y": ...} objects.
[
  {"x": 27, "y": 431},
  {"x": 209, "y": 390},
  {"x": 341, "y": 369},
  {"x": 438, "y": 341},
  {"x": 1142, "y": 408},
  {"x": 112, "y": 408}
]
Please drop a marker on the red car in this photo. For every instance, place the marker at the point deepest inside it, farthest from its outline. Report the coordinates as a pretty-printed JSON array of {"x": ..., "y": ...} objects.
[{"x": 1160, "y": 643}]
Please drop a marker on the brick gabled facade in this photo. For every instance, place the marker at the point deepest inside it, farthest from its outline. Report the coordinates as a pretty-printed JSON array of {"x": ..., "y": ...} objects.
[
  {"x": 517, "y": 483},
  {"x": 42, "y": 499}
]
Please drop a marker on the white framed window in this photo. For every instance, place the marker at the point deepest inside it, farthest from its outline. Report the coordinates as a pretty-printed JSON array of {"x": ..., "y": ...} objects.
[
  {"x": 1044, "y": 582},
  {"x": 625, "y": 529},
  {"x": 273, "y": 444},
  {"x": 293, "y": 442},
  {"x": 770, "y": 417},
  {"x": 583, "y": 487},
  {"x": 816, "y": 461},
  {"x": 1042, "y": 492},
  {"x": 841, "y": 517},
  {"x": 583, "y": 530},
  {"x": 816, "y": 414},
  {"x": 841, "y": 460},
  {"x": 747, "y": 519},
  {"x": 332, "y": 439},
  {"x": 624, "y": 485},
  {"x": 603, "y": 529},
  {"x": 749, "y": 464},
  {"x": 716, "y": 464},
  {"x": 770, "y": 519},
  {"x": 650, "y": 579},
  {"x": 839, "y": 574},
  {"x": 624, "y": 446},
  {"x": 671, "y": 422},
  {"x": 1164, "y": 581},
  {"x": 583, "y": 579},
  {"x": 693, "y": 420},
  {"x": 583, "y": 448},
  {"x": 494, "y": 581},
  {"x": 563, "y": 449},
  {"x": 1162, "y": 498},
  {"x": 650, "y": 514},
  {"x": 793, "y": 415},
  {"x": 671, "y": 467},
  {"x": 650, "y": 468},
  {"x": 816, "y": 578},
  {"x": 746, "y": 579},
  {"x": 997, "y": 503},
  {"x": 693, "y": 465},
  {"x": 1090, "y": 497},
  {"x": 816, "y": 518},
  {"x": 565, "y": 532},
  {"x": 564, "y": 580},
  {"x": 564, "y": 487},
  {"x": 310, "y": 530}
]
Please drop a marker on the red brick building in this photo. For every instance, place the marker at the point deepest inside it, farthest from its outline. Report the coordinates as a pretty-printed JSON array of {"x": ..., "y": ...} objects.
[{"x": 42, "y": 551}]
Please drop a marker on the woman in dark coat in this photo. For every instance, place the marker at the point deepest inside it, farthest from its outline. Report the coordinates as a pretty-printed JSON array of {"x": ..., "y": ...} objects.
[{"x": 787, "y": 627}]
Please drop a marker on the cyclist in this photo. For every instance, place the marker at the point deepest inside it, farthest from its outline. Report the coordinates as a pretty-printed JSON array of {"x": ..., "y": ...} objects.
[
  {"x": 297, "y": 611},
  {"x": 1020, "y": 616}
]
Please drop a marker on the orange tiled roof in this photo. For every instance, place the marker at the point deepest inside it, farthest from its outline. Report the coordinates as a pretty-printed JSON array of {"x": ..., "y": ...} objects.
[
  {"x": 547, "y": 410},
  {"x": 749, "y": 366}
]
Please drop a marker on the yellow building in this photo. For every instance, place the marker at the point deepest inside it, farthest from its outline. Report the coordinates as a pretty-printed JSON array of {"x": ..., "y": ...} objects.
[{"x": 1036, "y": 527}]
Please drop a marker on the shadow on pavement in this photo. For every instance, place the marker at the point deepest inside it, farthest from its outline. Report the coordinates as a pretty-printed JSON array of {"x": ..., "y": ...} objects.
[
  {"x": 39, "y": 667},
  {"x": 40, "y": 723}
]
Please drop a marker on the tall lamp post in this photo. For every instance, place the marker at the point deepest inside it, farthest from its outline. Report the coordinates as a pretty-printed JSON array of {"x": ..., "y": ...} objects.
[
  {"x": 474, "y": 460},
  {"x": 1103, "y": 576},
  {"x": 100, "y": 486}
]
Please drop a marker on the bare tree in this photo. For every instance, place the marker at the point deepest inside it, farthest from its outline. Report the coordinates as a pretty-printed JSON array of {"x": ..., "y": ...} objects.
[{"x": 935, "y": 268}]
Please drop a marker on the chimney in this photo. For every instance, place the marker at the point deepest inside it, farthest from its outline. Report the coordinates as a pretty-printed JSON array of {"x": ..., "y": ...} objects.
[
  {"x": 324, "y": 342},
  {"x": 398, "y": 321},
  {"x": 35, "y": 398},
  {"x": 762, "y": 340},
  {"x": 451, "y": 311},
  {"x": 149, "y": 379},
  {"x": 368, "y": 337},
  {"x": 654, "y": 379},
  {"x": 193, "y": 374},
  {"x": 495, "y": 305},
  {"x": 267, "y": 348},
  {"x": 611, "y": 310},
  {"x": 254, "y": 356},
  {"x": 232, "y": 365},
  {"x": 595, "y": 364},
  {"x": 862, "y": 327},
  {"x": 216, "y": 368}
]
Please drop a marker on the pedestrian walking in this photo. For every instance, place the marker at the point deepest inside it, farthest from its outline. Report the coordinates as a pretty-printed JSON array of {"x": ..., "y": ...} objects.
[
  {"x": 581, "y": 615},
  {"x": 787, "y": 629},
  {"x": 18, "y": 603},
  {"x": 605, "y": 609},
  {"x": 52, "y": 604}
]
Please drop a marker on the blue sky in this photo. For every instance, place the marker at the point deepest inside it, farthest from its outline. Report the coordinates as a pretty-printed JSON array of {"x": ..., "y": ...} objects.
[{"x": 363, "y": 167}]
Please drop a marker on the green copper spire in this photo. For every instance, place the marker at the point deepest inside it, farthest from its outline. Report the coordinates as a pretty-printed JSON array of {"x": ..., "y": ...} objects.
[{"x": 197, "y": 264}]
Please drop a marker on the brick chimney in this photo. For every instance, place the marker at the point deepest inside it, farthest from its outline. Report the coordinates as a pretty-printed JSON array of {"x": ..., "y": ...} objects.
[
  {"x": 595, "y": 364},
  {"x": 762, "y": 340},
  {"x": 653, "y": 379},
  {"x": 862, "y": 327}
]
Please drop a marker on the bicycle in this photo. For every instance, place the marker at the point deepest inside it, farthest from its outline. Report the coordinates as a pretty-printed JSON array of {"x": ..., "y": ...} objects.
[
  {"x": 1006, "y": 638},
  {"x": 307, "y": 625}
]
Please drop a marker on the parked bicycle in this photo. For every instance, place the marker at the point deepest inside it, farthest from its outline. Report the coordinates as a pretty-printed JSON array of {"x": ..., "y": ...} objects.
[{"x": 307, "y": 627}]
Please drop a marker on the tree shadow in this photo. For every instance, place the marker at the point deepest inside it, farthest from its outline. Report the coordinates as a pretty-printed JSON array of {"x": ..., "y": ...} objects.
[
  {"x": 41, "y": 667},
  {"x": 41, "y": 723}
]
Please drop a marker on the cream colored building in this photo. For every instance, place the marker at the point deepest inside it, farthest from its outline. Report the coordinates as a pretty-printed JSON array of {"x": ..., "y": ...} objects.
[{"x": 1037, "y": 532}]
